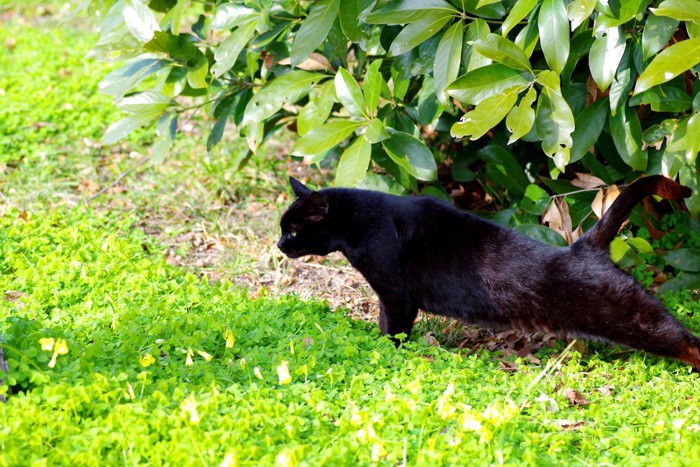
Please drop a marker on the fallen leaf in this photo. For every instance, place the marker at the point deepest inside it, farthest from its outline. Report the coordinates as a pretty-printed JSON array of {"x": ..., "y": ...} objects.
[
  {"x": 610, "y": 196},
  {"x": 13, "y": 295},
  {"x": 606, "y": 390},
  {"x": 597, "y": 205},
  {"x": 587, "y": 181},
  {"x": 569, "y": 425},
  {"x": 575, "y": 397},
  {"x": 507, "y": 366},
  {"x": 431, "y": 340}
]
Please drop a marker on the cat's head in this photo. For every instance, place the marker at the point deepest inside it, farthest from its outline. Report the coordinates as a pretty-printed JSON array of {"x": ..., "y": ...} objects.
[{"x": 304, "y": 224}]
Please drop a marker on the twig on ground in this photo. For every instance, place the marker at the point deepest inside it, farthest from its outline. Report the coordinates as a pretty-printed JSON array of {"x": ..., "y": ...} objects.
[{"x": 120, "y": 178}]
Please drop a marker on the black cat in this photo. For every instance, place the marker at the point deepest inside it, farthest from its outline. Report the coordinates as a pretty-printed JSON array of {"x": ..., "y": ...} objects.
[{"x": 422, "y": 253}]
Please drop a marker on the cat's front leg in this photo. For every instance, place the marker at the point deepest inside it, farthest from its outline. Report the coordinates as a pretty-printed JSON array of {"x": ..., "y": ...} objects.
[{"x": 396, "y": 316}]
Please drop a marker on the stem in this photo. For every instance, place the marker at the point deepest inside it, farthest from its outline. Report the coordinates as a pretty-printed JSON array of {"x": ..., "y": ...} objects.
[{"x": 120, "y": 178}]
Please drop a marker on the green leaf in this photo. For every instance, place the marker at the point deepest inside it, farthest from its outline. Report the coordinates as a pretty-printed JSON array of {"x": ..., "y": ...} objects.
[
  {"x": 353, "y": 163},
  {"x": 144, "y": 103},
  {"x": 663, "y": 98},
  {"x": 685, "y": 259},
  {"x": 224, "y": 110},
  {"x": 139, "y": 20},
  {"x": 123, "y": 79},
  {"x": 376, "y": 132},
  {"x": 230, "y": 15},
  {"x": 681, "y": 10},
  {"x": 372, "y": 86},
  {"x": 553, "y": 25},
  {"x": 693, "y": 138},
  {"x": 503, "y": 168},
  {"x": 314, "y": 29},
  {"x": 519, "y": 11},
  {"x": 123, "y": 127},
  {"x": 529, "y": 36},
  {"x": 668, "y": 64},
  {"x": 588, "y": 126},
  {"x": 605, "y": 55},
  {"x": 485, "y": 82},
  {"x": 228, "y": 51},
  {"x": 165, "y": 132},
  {"x": 554, "y": 120},
  {"x": 447, "y": 60},
  {"x": 579, "y": 11},
  {"x": 502, "y": 50},
  {"x": 477, "y": 29},
  {"x": 541, "y": 234},
  {"x": 487, "y": 114},
  {"x": 520, "y": 120},
  {"x": 641, "y": 245},
  {"x": 408, "y": 11},
  {"x": 658, "y": 30},
  {"x": 349, "y": 93},
  {"x": 349, "y": 20},
  {"x": 196, "y": 76},
  {"x": 285, "y": 89},
  {"x": 622, "y": 84},
  {"x": 321, "y": 139},
  {"x": 627, "y": 136},
  {"x": 317, "y": 110},
  {"x": 687, "y": 281},
  {"x": 535, "y": 200},
  {"x": 622, "y": 255},
  {"x": 180, "y": 47},
  {"x": 411, "y": 154},
  {"x": 419, "y": 31}
]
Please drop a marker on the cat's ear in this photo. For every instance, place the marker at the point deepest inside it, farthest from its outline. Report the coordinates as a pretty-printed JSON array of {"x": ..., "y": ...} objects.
[
  {"x": 316, "y": 207},
  {"x": 298, "y": 188}
]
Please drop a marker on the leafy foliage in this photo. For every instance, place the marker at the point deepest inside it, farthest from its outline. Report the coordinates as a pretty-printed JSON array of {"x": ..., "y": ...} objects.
[
  {"x": 609, "y": 88},
  {"x": 116, "y": 356}
]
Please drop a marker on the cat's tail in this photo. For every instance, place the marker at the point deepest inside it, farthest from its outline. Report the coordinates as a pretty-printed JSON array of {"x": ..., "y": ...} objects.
[{"x": 607, "y": 227}]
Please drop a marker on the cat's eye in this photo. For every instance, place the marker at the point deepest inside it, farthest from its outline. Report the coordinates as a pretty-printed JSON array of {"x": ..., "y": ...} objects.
[{"x": 293, "y": 233}]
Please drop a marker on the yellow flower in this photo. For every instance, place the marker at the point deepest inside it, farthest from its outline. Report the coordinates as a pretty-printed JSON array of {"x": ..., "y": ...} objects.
[
  {"x": 47, "y": 343},
  {"x": 445, "y": 409},
  {"x": 229, "y": 461},
  {"x": 228, "y": 336},
  {"x": 61, "y": 347},
  {"x": 188, "y": 359},
  {"x": 204, "y": 355},
  {"x": 283, "y": 373},
  {"x": 147, "y": 360},
  {"x": 189, "y": 407},
  {"x": 378, "y": 452},
  {"x": 257, "y": 373},
  {"x": 291, "y": 347}
]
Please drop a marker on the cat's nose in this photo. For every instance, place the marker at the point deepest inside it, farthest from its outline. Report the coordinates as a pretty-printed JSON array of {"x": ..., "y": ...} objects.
[{"x": 279, "y": 244}]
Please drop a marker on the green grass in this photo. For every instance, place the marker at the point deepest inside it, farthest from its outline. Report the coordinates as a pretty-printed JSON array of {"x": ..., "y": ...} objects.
[
  {"x": 163, "y": 366},
  {"x": 352, "y": 398}
]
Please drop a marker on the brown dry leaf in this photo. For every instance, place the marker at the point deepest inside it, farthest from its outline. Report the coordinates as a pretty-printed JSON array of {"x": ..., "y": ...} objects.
[
  {"x": 580, "y": 346},
  {"x": 606, "y": 390},
  {"x": 610, "y": 196},
  {"x": 558, "y": 218},
  {"x": 597, "y": 205},
  {"x": 587, "y": 181},
  {"x": 569, "y": 425},
  {"x": 576, "y": 234},
  {"x": 507, "y": 366},
  {"x": 13, "y": 295},
  {"x": 308, "y": 342},
  {"x": 592, "y": 89},
  {"x": 575, "y": 397},
  {"x": 430, "y": 340},
  {"x": 88, "y": 186}
]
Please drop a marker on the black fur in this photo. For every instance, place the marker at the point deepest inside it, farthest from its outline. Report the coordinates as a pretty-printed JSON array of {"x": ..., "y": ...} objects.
[{"x": 422, "y": 253}]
